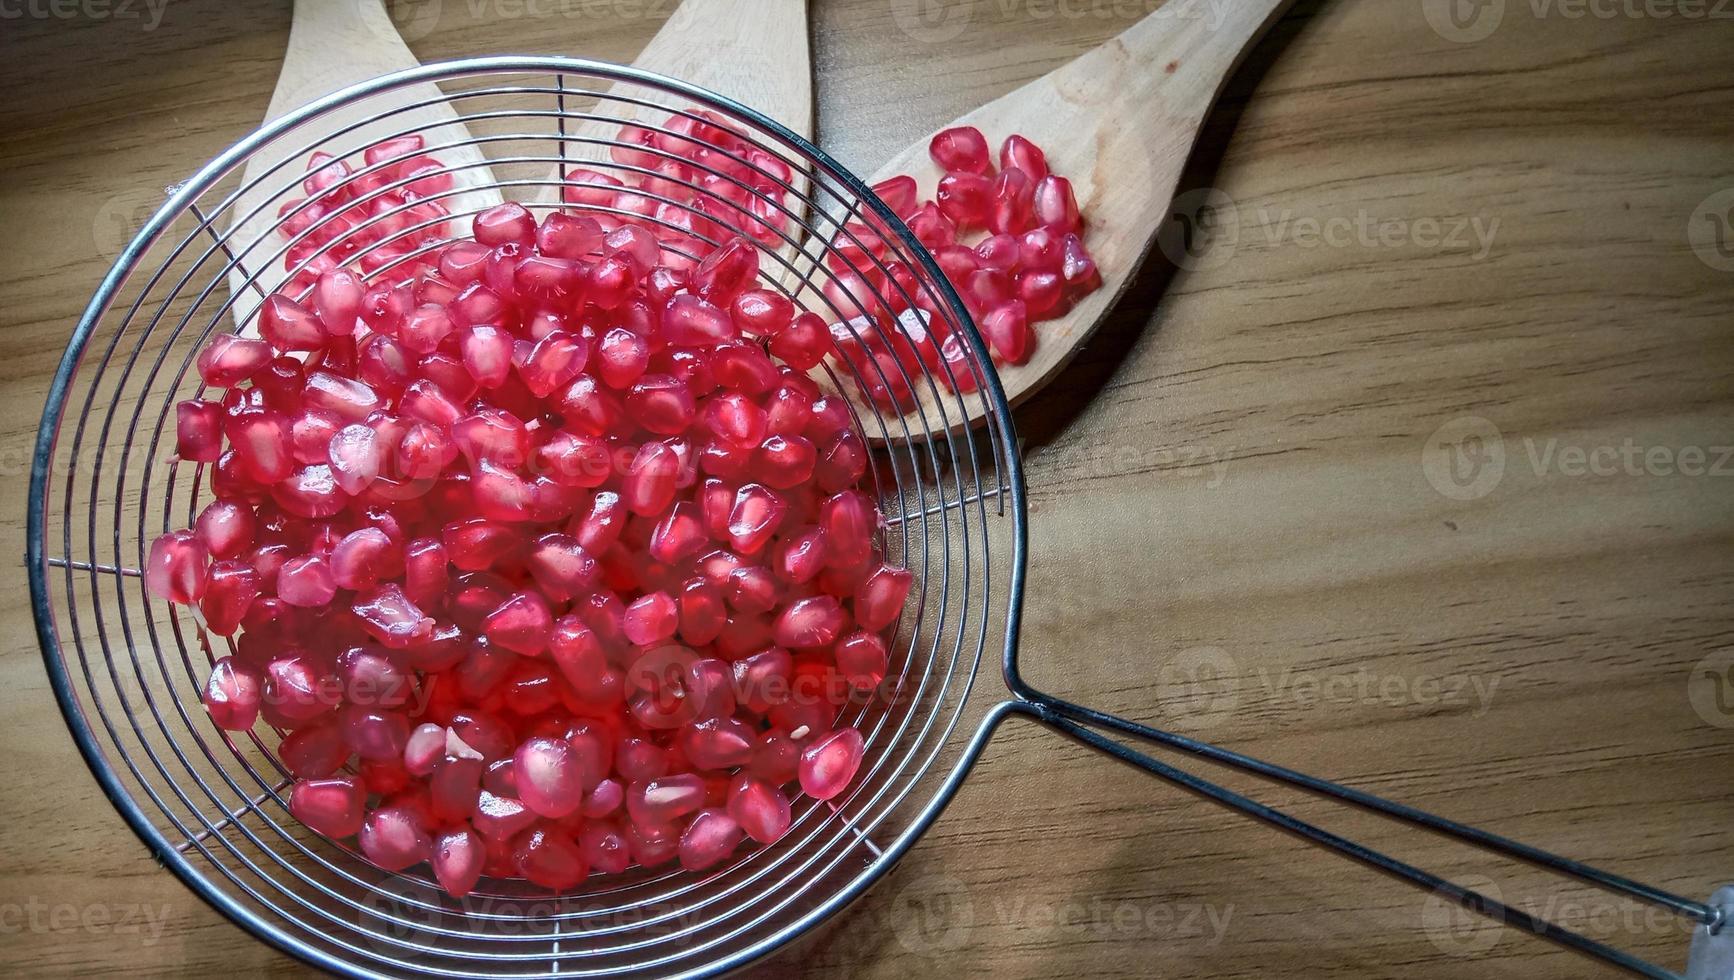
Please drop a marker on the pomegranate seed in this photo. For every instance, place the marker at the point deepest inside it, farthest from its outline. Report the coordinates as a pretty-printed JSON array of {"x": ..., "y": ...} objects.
[
  {"x": 754, "y": 518},
  {"x": 650, "y": 479},
  {"x": 862, "y": 659},
  {"x": 457, "y": 861},
  {"x": 487, "y": 354},
  {"x": 849, "y": 520},
  {"x": 389, "y": 617},
  {"x": 702, "y": 614},
  {"x": 652, "y": 619},
  {"x": 198, "y": 433},
  {"x": 898, "y": 193},
  {"x": 346, "y": 398},
  {"x": 313, "y": 752},
  {"x": 680, "y": 534},
  {"x": 662, "y": 404},
  {"x": 553, "y": 362},
  {"x": 804, "y": 344},
  {"x": 800, "y": 558},
  {"x": 568, "y": 236},
  {"x": 521, "y": 624},
  {"x": 1054, "y": 205},
  {"x": 960, "y": 148},
  {"x": 815, "y": 621},
  {"x": 502, "y": 223},
  {"x": 966, "y": 198},
  {"x": 547, "y": 778},
  {"x": 233, "y": 694},
  {"x": 690, "y": 321},
  {"x": 999, "y": 253},
  {"x": 500, "y": 817},
  {"x": 717, "y": 743},
  {"x": 784, "y": 462},
  {"x": 287, "y": 325},
  {"x": 310, "y": 492},
  {"x": 374, "y": 733},
  {"x": 663, "y": 799},
  {"x": 306, "y": 581},
  {"x": 1019, "y": 153},
  {"x": 761, "y": 810},
  {"x": 334, "y": 807},
  {"x": 549, "y": 857},
  {"x": 1008, "y": 333},
  {"x": 1078, "y": 269},
  {"x": 605, "y": 848},
  {"x": 225, "y": 527},
  {"x": 762, "y": 312},
  {"x": 229, "y": 360},
  {"x": 726, "y": 272},
  {"x": 391, "y": 839},
  {"x": 1039, "y": 291},
  {"x": 709, "y": 838},
  {"x": 881, "y": 597},
  {"x": 1012, "y": 203},
  {"x": 828, "y": 764},
  {"x": 232, "y": 587}
]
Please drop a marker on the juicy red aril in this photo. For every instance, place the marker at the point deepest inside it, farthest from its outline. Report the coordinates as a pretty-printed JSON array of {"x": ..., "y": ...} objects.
[
  {"x": 966, "y": 199},
  {"x": 828, "y": 764},
  {"x": 521, "y": 624},
  {"x": 233, "y": 694},
  {"x": 815, "y": 621},
  {"x": 457, "y": 861},
  {"x": 711, "y": 836},
  {"x": 502, "y": 223},
  {"x": 393, "y": 839},
  {"x": 1019, "y": 153},
  {"x": 198, "y": 431},
  {"x": 229, "y": 360},
  {"x": 652, "y": 619},
  {"x": 546, "y": 772},
  {"x": 177, "y": 568},
  {"x": 334, "y": 807},
  {"x": 761, "y": 809},
  {"x": 961, "y": 148}
]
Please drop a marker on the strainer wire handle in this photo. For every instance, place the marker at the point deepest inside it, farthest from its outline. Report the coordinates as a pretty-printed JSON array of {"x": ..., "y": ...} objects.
[{"x": 1072, "y": 719}]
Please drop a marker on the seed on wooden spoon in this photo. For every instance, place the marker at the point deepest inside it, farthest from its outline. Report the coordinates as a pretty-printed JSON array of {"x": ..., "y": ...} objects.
[{"x": 1121, "y": 120}]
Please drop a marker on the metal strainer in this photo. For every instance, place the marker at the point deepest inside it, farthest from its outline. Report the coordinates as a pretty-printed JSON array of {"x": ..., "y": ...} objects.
[{"x": 127, "y": 668}]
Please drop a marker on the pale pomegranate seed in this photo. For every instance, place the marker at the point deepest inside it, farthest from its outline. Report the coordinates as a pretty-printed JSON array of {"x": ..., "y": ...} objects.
[
  {"x": 710, "y": 837},
  {"x": 815, "y": 621},
  {"x": 229, "y": 360},
  {"x": 828, "y": 764},
  {"x": 393, "y": 839},
  {"x": 1019, "y": 153},
  {"x": 761, "y": 809},
  {"x": 663, "y": 799},
  {"x": 547, "y": 778},
  {"x": 521, "y": 624},
  {"x": 334, "y": 807},
  {"x": 457, "y": 861},
  {"x": 233, "y": 694},
  {"x": 862, "y": 658}
]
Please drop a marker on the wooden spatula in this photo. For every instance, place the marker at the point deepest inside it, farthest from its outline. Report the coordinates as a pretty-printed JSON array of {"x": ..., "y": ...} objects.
[
  {"x": 1119, "y": 121},
  {"x": 752, "y": 51},
  {"x": 334, "y": 44}
]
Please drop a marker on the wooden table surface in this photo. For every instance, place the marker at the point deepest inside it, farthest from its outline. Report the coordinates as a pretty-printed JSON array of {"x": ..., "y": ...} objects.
[{"x": 1412, "y": 472}]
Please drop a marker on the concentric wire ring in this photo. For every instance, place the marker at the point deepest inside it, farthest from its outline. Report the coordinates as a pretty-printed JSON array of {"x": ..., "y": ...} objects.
[{"x": 127, "y": 668}]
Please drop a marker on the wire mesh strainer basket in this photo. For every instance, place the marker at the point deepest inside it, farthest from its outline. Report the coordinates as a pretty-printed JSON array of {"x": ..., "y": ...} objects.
[{"x": 128, "y": 668}]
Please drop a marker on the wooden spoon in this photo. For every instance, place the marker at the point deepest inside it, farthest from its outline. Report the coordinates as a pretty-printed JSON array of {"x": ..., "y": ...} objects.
[
  {"x": 1120, "y": 122},
  {"x": 334, "y": 44},
  {"x": 752, "y": 51}
]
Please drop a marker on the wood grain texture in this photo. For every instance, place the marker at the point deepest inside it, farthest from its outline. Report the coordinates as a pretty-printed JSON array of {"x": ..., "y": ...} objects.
[{"x": 1238, "y": 461}]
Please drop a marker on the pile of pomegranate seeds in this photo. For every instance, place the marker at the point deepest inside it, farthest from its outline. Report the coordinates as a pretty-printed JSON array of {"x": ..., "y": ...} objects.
[
  {"x": 548, "y": 558},
  {"x": 1027, "y": 264}
]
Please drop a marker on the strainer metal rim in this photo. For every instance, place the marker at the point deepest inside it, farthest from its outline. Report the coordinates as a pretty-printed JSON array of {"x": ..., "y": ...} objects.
[{"x": 1011, "y": 491}]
